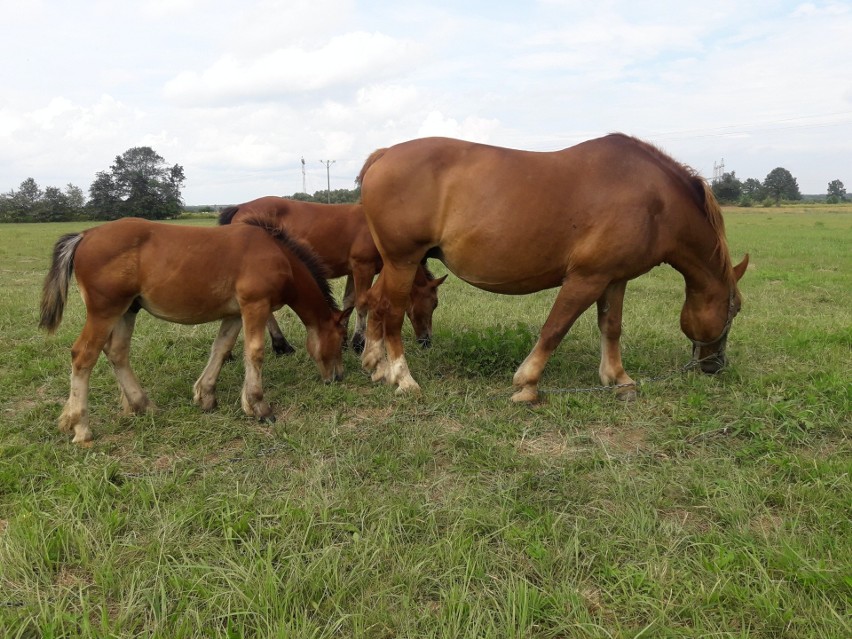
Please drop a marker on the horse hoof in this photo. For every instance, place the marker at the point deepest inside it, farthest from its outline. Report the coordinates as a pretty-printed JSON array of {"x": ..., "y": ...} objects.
[
  {"x": 627, "y": 394},
  {"x": 82, "y": 436},
  {"x": 282, "y": 349},
  {"x": 527, "y": 395},
  {"x": 406, "y": 387},
  {"x": 267, "y": 419}
]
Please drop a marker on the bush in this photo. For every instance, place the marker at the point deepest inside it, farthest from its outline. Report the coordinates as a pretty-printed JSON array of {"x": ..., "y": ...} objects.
[{"x": 745, "y": 201}]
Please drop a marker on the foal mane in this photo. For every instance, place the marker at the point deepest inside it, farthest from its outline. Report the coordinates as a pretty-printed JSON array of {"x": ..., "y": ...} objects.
[
  {"x": 316, "y": 267},
  {"x": 700, "y": 192}
]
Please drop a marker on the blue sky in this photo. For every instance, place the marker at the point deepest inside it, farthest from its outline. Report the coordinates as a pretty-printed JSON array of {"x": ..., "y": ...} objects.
[{"x": 238, "y": 93}]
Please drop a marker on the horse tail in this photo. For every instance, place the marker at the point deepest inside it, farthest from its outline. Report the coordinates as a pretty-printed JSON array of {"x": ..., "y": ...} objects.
[
  {"x": 227, "y": 215},
  {"x": 375, "y": 156},
  {"x": 55, "y": 291}
]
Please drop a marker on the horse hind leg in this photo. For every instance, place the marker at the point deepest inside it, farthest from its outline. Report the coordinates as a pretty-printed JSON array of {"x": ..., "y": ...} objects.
[
  {"x": 575, "y": 296},
  {"x": 134, "y": 400},
  {"x": 610, "y": 306},
  {"x": 280, "y": 345},
  {"x": 394, "y": 296},
  {"x": 84, "y": 355},
  {"x": 204, "y": 389},
  {"x": 357, "y": 294}
]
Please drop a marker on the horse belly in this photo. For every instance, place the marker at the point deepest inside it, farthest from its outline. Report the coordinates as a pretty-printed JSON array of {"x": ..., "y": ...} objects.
[
  {"x": 191, "y": 313},
  {"x": 504, "y": 271}
]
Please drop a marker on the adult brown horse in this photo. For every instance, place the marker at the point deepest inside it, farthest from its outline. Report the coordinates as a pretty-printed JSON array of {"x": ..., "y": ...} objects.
[
  {"x": 238, "y": 274},
  {"x": 338, "y": 234},
  {"x": 586, "y": 219}
]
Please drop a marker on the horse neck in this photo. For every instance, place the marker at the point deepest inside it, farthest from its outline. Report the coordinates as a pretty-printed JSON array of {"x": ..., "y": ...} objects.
[{"x": 307, "y": 299}]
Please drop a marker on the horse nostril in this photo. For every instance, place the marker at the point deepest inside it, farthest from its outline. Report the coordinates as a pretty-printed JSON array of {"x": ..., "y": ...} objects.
[{"x": 425, "y": 342}]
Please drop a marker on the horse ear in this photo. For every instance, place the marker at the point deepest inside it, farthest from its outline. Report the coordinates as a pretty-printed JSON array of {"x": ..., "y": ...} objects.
[
  {"x": 437, "y": 282},
  {"x": 740, "y": 269}
]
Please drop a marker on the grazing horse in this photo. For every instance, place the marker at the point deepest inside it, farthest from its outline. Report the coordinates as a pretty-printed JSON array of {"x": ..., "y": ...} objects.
[
  {"x": 338, "y": 234},
  {"x": 585, "y": 219},
  {"x": 187, "y": 275}
]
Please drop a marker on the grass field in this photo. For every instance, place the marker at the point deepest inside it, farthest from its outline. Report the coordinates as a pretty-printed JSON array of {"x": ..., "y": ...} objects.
[{"x": 712, "y": 507}]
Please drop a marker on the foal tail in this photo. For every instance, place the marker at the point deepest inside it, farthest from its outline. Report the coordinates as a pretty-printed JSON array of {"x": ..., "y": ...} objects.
[
  {"x": 227, "y": 215},
  {"x": 374, "y": 157},
  {"x": 55, "y": 291}
]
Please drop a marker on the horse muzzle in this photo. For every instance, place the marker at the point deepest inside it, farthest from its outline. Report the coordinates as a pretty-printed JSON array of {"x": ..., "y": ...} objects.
[{"x": 713, "y": 364}]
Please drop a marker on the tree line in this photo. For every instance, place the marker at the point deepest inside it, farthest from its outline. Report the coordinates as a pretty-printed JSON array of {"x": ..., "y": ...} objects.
[
  {"x": 139, "y": 183},
  {"x": 778, "y": 185}
]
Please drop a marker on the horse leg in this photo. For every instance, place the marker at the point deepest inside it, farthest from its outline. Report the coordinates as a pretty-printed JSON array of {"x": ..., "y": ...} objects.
[
  {"x": 374, "y": 344},
  {"x": 117, "y": 351},
  {"x": 204, "y": 389},
  {"x": 361, "y": 279},
  {"x": 280, "y": 345},
  {"x": 254, "y": 318},
  {"x": 575, "y": 296},
  {"x": 84, "y": 356},
  {"x": 610, "y": 306},
  {"x": 395, "y": 297}
]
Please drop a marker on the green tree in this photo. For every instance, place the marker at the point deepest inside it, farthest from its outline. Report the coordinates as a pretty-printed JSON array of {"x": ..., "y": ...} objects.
[
  {"x": 836, "y": 192},
  {"x": 728, "y": 188},
  {"x": 780, "y": 184},
  {"x": 753, "y": 189},
  {"x": 138, "y": 184}
]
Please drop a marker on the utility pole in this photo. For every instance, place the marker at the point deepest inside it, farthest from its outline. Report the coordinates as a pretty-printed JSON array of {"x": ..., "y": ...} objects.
[
  {"x": 304, "y": 185},
  {"x": 328, "y": 164}
]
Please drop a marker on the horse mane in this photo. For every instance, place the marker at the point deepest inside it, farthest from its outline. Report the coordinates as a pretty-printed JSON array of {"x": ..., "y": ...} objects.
[
  {"x": 226, "y": 215},
  {"x": 305, "y": 254},
  {"x": 700, "y": 192},
  {"x": 374, "y": 157}
]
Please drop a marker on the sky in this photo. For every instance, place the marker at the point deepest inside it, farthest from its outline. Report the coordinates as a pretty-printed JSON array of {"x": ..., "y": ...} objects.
[{"x": 238, "y": 93}]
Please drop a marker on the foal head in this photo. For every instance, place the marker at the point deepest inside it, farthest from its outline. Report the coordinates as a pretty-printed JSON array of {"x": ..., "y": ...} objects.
[
  {"x": 325, "y": 345},
  {"x": 424, "y": 301}
]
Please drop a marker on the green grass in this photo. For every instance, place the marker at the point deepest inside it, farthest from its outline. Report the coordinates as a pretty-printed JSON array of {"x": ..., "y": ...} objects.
[{"x": 712, "y": 507}]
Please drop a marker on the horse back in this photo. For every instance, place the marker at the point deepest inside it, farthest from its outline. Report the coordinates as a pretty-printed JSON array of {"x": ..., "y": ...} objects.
[
  {"x": 337, "y": 233},
  {"x": 517, "y": 221},
  {"x": 179, "y": 273}
]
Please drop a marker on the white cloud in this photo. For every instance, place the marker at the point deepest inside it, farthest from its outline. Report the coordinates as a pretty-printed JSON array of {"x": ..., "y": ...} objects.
[{"x": 346, "y": 60}]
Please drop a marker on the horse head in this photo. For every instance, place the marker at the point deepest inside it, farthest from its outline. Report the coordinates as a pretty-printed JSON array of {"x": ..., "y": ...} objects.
[
  {"x": 706, "y": 320},
  {"x": 424, "y": 301}
]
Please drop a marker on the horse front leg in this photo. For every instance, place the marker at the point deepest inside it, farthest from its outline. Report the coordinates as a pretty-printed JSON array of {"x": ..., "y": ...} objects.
[
  {"x": 575, "y": 296},
  {"x": 610, "y": 307},
  {"x": 204, "y": 389},
  {"x": 134, "y": 400},
  {"x": 254, "y": 319},
  {"x": 84, "y": 355}
]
